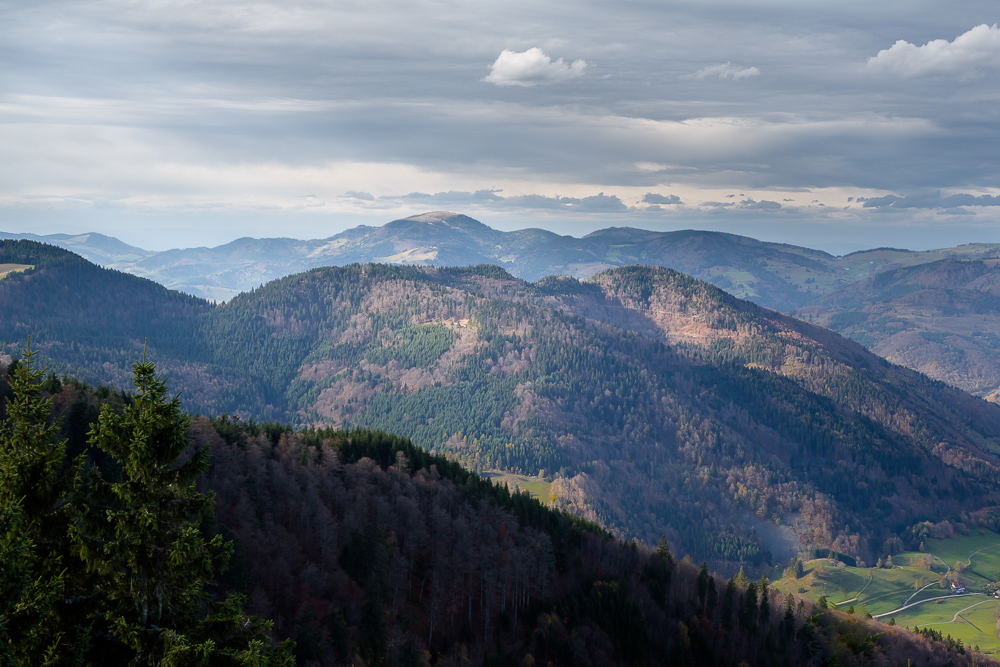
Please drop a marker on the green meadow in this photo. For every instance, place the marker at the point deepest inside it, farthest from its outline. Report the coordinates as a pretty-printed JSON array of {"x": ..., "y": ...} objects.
[
  {"x": 974, "y": 559},
  {"x": 6, "y": 269},
  {"x": 536, "y": 486}
]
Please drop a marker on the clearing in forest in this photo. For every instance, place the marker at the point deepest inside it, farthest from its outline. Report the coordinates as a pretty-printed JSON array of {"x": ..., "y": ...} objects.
[
  {"x": 7, "y": 269},
  {"x": 536, "y": 486}
]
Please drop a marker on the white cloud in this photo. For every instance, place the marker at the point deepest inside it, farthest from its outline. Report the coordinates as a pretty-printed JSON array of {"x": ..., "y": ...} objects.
[
  {"x": 531, "y": 68},
  {"x": 971, "y": 51},
  {"x": 724, "y": 71}
]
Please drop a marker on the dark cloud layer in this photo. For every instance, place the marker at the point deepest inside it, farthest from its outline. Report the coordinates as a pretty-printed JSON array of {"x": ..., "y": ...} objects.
[
  {"x": 491, "y": 200},
  {"x": 929, "y": 200},
  {"x": 654, "y": 198},
  {"x": 226, "y": 107}
]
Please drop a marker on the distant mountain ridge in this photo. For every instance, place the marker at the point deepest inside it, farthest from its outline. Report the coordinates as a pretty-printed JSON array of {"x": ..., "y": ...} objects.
[
  {"x": 775, "y": 275},
  {"x": 780, "y": 276}
]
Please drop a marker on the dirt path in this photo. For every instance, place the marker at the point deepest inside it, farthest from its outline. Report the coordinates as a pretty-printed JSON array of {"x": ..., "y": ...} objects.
[
  {"x": 858, "y": 594},
  {"x": 919, "y": 591},
  {"x": 946, "y": 564},
  {"x": 961, "y": 611},
  {"x": 968, "y": 563}
]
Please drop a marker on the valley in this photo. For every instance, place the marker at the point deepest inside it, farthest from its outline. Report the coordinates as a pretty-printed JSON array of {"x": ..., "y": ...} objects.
[{"x": 917, "y": 590}]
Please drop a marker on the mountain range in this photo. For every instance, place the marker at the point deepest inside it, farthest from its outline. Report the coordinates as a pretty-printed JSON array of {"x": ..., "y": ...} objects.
[
  {"x": 644, "y": 399},
  {"x": 775, "y": 275},
  {"x": 951, "y": 346}
]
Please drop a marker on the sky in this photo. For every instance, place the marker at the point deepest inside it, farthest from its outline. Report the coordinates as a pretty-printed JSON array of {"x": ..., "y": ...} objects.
[{"x": 839, "y": 125}]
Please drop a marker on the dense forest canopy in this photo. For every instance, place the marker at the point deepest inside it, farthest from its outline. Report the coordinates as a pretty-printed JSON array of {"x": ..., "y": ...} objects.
[
  {"x": 654, "y": 403},
  {"x": 349, "y": 547}
]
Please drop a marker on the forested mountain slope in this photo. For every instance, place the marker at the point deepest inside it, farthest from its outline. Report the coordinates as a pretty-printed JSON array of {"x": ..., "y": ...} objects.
[
  {"x": 658, "y": 404},
  {"x": 90, "y": 317},
  {"x": 940, "y": 318},
  {"x": 364, "y": 549}
]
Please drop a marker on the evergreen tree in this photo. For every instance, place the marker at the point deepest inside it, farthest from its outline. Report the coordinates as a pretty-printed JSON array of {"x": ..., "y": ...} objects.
[
  {"x": 663, "y": 551},
  {"x": 765, "y": 603},
  {"x": 713, "y": 597},
  {"x": 702, "y": 583},
  {"x": 728, "y": 602},
  {"x": 36, "y": 487},
  {"x": 658, "y": 572},
  {"x": 748, "y": 613},
  {"x": 141, "y": 537},
  {"x": 787, "y": 628},
  {"x": 29, "y": 592}
]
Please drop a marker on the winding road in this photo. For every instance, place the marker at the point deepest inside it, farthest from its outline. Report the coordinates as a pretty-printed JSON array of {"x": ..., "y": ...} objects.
[
  {"x": 907, "y": 605},
  {"x": 919, "y": 602}
]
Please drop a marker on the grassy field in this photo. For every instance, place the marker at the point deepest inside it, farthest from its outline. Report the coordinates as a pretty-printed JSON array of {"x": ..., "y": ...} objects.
[
  {"x": 539, "y": 488},
  {"x": 915, "y": 578},
  {"x": 7, "y": 269},
  {"x": 971, "y": 619}
]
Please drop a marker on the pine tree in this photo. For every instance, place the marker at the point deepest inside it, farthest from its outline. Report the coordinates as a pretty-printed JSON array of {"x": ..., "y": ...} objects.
[
  {"x": 702, "y": 583},
  {"x": 36, "y": 487},
  {"x": 29, "y": 592},
  {"x": 728, "y": 603},
  {"x": 142, "y": 539},
  {"x": 713, "y": 597},
  {"x": 765, "y": 604},
  {"x": 658, "y": 571}
]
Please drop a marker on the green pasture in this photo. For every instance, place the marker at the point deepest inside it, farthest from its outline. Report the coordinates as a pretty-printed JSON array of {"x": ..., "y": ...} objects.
[
  {"x": 985, "y": 565},
  {"x": 886, "y": 590},
  {"x": 537, "y": 487},
  {"x": 971, "y": 619}
]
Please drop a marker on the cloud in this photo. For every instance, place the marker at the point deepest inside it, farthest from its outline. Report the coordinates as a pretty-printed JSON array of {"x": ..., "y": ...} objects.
[
  {"x": 977, "y": 49},
  {"x": 724, "y": 71},
  {"x": 653, "y": 198},
  {"x": 599, "y": 203},
  {"x": 214, "y": 112},
  {"x": 451, "y": 197},
  {"x": 763, "y": 205},
  {"x": 363, "y": 196},
  {"x": 930, "y": 200},
  {"x": 532, "y": 67},
  {"x": 490, "y": 200}
]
